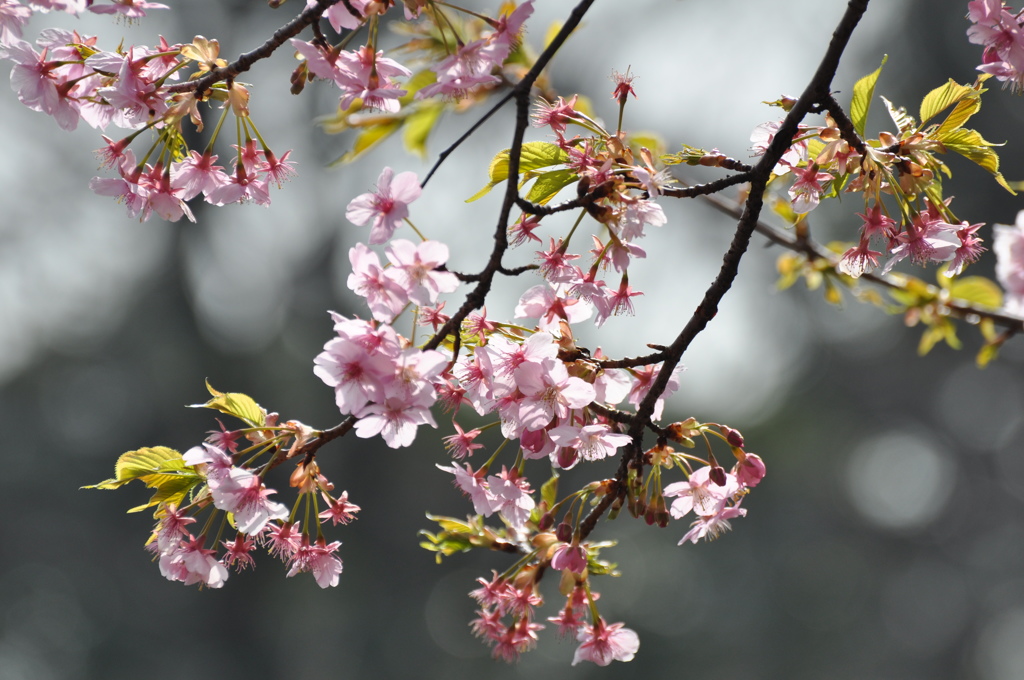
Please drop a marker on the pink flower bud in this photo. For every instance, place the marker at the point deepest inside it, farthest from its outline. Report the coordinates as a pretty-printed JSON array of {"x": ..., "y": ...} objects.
[
  {"x": 717, "y": 475},
  {"x": 733, "y": 436},
  {"x": 750, "y": 470}
]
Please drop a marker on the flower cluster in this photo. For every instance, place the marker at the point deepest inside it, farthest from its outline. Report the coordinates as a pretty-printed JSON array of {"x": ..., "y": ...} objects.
[
  {"x": 1008, "y": 245},
  {"x": 903, "y": 167},
  {"x": 388, "y": 387},
  {"x": 72, "y": 79},
  {"x": 210, "y": 479},
  {"x": 999, "y": 30}
]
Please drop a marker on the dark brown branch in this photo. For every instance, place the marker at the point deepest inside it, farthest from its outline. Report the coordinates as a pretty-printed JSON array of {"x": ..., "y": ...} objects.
[
  {"x": 846, "y": 128},
  {"x": 521, "y": 93},
  {"x": 709, "y": 188},
  {"x": 816, "y": 251},
  {"x": 441, "y": 157},
  {"x": 245, "y": 61},
  {"x": 542, "y": 210},
  {"x": 309, "y": 448},
  {"x": 647, "y": 360},
  {"x": 815, "y": 93}
]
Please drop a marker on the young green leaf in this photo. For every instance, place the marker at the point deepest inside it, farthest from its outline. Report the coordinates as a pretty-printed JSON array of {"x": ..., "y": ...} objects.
[
  {"x": 941, "y": 98},
  {"x": 236, "y": 404},
  {"x": 863, "y": 93}
]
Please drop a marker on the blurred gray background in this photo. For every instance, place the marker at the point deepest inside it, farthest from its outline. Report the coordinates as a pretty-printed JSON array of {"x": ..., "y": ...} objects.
[{"x": 886, "y": 541}]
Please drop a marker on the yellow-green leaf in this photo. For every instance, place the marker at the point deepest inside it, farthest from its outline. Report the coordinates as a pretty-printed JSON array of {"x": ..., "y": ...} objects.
[
  {"x": 535, "y": 155},
  {"x": 236, "y": 404},
  {"x": 549, "y": 490},
  {"x": 549, "y": 184},
  {"x": 972, "y": 146},
  {"x": 367, "y": 139},
  {"x": 146, "y": 462},
  {"x": 418, "y": 126},
  {"x": 988, "y": 329},
  {"x": 863, "y": 93},
  {"x": 986, "y": 355},
  {"x": 977, "y": 290},
  {"x": 942, "y": 97},
  {"x": 418, "y": 81},
  {"x": 960, "y": 114},
  {"x": 904, "y": 121},
  {"x": 173, "y": 491}
]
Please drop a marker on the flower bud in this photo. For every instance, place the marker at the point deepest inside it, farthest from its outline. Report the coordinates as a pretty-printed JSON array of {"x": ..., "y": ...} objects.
[
  {"x": 749, "y": 471},
  {"x": 564, "y": 532},
  {"x": 616, "y": 508},
  {"x": 717, "y": 475},
  {"x": 732, "y": 436},
  {"x": 547, "y": 520},
  {"x": 299, "y": 77}
]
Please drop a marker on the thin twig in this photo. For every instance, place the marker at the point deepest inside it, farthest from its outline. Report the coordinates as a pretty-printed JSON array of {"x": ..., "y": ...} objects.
[
  {"x": 815, "y": 93},
  {"x": 245, "y": 60}
]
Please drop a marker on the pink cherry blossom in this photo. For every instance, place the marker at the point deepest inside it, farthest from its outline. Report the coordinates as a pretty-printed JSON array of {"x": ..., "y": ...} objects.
[
  {"x": 396, "y": 419},
  {"x": 243, "y": 494},
  {"x": 282, "y": 540},
  {"x": 196, "y": 174},
  {"x": 700, "y": 494},
  {"x": 131, "y": 9},
  {"x": 238, "y": 553},
  {"x": 569, "y": 556},
  {"x": 339, "y": 15},
  {"x": 40, "y": 85},
  {"x": 418, "y": 266},
  {"x": 385, "y": 296},
  {"x": 191, "y": 563},
  {"x": 927, "y": 238},
  {"x": 762, "y": 137},
  {"x": 491, "y": 593},
  {"x": 241, "y": 187},
  {"x": 13, "y": 17},
  {"x": 592, "y": 442},
  {"x": 1008, "y": 245},
  {"x": 366, "y": 75},
  {"x": 548, "y": 306},
  {"x": 808, "y": 188},
  {"x": 461, "y": 444},
  {"x": 711, "y": 527},
  {"x": 387, "y": 206},
  {"x": 357, "y": 374},
  {"x": 970, "y": 248},
  {"x": 473, "y": 485},
  {"x": 557, "y": 115},
  {"x": 550, "y": 392},
  {"x": 511, "y": 497},
  {"x": 171, "y": 528},
  {"x": 859, "y": 259},
  {"x": 339, "y": 509},
  {"x": 318, "y": 559},
  {"x": 604, "y": 643},
  {"x": 750, "y": 471}
]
